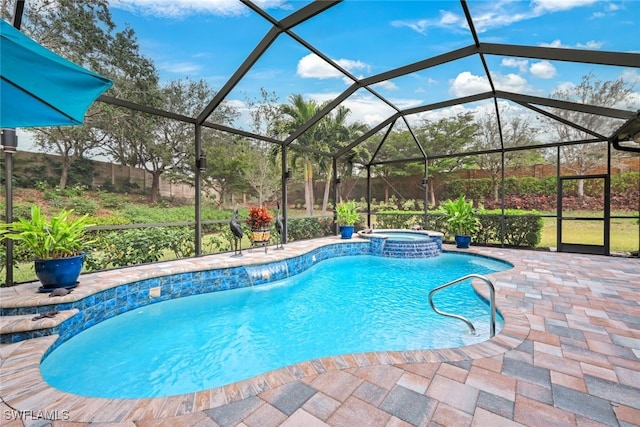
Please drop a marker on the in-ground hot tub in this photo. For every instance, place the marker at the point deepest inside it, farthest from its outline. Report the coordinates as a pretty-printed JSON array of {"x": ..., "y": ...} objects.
[{"x": 398, "y": 243}]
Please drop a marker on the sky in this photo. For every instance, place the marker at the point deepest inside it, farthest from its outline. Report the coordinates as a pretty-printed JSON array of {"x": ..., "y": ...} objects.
[{"x": 209, "y": 39}]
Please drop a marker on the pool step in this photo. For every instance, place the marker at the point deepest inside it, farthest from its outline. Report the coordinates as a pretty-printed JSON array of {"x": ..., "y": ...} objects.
[
  {"x": 31, "y": 325},
  {"x": 410, "y": 249}
]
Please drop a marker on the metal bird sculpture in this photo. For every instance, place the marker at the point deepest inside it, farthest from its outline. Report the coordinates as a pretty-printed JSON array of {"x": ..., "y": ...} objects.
[
  {"x": 279, "y": 227},
  {"x": 237, "y": 233}
]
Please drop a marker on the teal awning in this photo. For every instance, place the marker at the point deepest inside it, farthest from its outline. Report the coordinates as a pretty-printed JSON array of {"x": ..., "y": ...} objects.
[{"x": 41, "y": 88}]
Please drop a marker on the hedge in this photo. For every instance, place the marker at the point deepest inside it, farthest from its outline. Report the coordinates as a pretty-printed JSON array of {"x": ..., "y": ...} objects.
[{"x": 522, "y": 228}]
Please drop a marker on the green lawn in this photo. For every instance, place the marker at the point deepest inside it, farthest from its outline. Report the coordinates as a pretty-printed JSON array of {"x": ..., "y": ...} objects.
[{"x": 624, "y": 233}]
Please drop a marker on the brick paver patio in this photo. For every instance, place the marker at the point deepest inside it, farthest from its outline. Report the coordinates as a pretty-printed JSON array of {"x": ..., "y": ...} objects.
[{"x": 572, "y": 359}]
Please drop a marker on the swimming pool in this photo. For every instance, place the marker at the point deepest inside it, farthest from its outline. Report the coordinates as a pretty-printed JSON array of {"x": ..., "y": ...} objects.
[{"x": 342, "y": 305}]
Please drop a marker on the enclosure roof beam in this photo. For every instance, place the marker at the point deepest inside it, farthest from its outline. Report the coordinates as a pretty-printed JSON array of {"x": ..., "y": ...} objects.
[
  {"x": 309, "y": 150},
  {"x": 290, "y": 21},
  {"x": 384, "y": 138},
  {"x": 145, "y": 109},
  {"x": 420, "y": 65},
  {"x": 490, "y": 151},
  {"x": 448, "y": 103},
  {"x": 566, "y": 105},
  {"x": 560, "y": 119},
  {"x": 366, "y": 135},
  {"x": 240, "y": 132},
  {"x": 320, "y": 114},
  {"x": 583, "y": 56}
]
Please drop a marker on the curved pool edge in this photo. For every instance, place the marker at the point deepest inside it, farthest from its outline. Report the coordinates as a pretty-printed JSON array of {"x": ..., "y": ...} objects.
[
  {"x": 42, "y": 397},
  {"x": 21, "y": 362}
]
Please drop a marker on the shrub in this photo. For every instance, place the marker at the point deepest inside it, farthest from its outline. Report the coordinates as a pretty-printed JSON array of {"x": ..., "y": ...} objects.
[
  {"x": 399, "y": 219},
  {"x": 301, "y": 228},
  {"x": 124, "y": 248},
  {"x": 110, "y": 200},
  {"x": 110, "y": 220},
  {"x": 82, "y": 205},
  {"x": 522, "y": 228}
]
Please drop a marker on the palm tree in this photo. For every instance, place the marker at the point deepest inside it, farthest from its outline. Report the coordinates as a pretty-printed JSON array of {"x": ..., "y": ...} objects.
[
  {"x": 298, "y": 112},
  {"x": 335, "y": 133}
]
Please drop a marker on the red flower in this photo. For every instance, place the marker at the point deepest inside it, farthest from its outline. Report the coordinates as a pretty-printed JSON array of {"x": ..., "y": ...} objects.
[{"x": 259, "y": 217}]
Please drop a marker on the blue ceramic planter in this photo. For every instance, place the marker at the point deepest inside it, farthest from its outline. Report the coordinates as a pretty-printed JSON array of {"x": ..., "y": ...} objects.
[
  {"x": 59, "y": 272},
  {"x": 346, "y": 231},
  {"x": 462, "y": 242}
]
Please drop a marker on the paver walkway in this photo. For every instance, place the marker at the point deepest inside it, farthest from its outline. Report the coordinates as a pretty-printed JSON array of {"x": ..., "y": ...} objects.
[{"x": 576, "y": 363}]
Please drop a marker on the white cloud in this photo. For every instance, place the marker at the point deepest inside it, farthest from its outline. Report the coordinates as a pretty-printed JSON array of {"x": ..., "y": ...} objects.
[
  {"x": 511, "y": 83},
  {"x": 612, "y": 7},
  {"x": 184, "y": 68},
  {"x": 521, "y": 64},
  {"x": 491, "y": 15},
  {"x": 631, "y": 76},
  {"x": 182, "y": 8},
  {"x": 466, "y": 84},
  {"x": 555, "y": 43},
  {"x": 591, "y": 44},
  {"x": 497, "y": 18},
  {"x": 450, "y": 18},
  {"x": 564, "y": 87},
  {"x": 417, "y": 26},
  {"x": 543, "y": 70},
  {"x": 364, "y": 107},
  {"x": 446, "y": 19},
  {"x": 386, "y": 85},
  {"x": 541, "y": 6},
  {"x": 313, "y": 67}
]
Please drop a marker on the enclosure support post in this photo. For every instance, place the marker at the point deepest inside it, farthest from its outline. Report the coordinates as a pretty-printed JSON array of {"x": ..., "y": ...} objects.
[
  {"x": 336, "y": 185},
  {"x": 425, "y": 184},
  {"x": 285, "y": 209},
  {"x": 9, "y": 144},
  {"x": 369, "y": 196},
  {"x": 503, "y": 225},
  {"x": 559, "y": 202},
  {"x": 607, "y": 204},
  {"x": 198, "y": 189}
]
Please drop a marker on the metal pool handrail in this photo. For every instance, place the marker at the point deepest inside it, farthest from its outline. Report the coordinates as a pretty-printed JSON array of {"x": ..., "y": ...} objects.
[{"x": 492, "y": 302}]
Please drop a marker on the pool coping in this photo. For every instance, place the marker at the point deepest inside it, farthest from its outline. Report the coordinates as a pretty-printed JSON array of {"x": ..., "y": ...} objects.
[{"x": 23, "y": 388}]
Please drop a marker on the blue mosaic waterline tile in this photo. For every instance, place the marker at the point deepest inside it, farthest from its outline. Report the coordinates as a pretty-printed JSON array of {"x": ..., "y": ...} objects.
[{"x": 111, "y": 302}]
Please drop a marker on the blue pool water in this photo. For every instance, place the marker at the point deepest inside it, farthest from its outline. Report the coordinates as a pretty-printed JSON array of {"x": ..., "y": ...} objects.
[{"x": 339, "y": 306}]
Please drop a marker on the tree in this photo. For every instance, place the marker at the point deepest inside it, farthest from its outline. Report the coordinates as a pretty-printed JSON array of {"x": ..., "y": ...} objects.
[
  {"x": 296, "y": 113},
  {"x": 169, "y": 148},
  {"x": 71, "y": 143},
  {"x": 581, "y": 157},
  {"x": 516, "y": 132},
  {"x": 84, "y": 33},
  {"x": 399, "y": 144},
  {"x": 334, "y": 133},
  {"x": 447, "y": 136},
  {"x": 262, "y": 172},
  {"x": 227, "y": 161}
]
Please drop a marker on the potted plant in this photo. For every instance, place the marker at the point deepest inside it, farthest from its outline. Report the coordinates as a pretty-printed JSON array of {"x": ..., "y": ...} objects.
[
  {"x": 461, "y": 220},
  {"x": 56, "y": 245},
  {"x": 259, "y": 221},
  {"x": 347, "y": 215}
]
